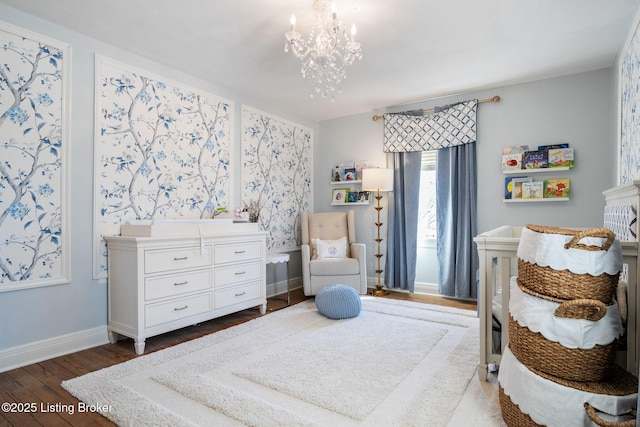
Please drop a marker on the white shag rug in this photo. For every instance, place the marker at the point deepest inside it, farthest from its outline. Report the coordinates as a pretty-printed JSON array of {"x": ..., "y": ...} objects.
[{"x": 397, "y": 364}]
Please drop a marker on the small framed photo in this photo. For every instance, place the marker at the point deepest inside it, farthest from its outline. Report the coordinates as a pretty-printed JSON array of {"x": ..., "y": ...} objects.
[{"x": 339, "y": 195}]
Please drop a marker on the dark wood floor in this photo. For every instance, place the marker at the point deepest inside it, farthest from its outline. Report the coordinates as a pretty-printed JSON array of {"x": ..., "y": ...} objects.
[{"x": 37, "y": 399}]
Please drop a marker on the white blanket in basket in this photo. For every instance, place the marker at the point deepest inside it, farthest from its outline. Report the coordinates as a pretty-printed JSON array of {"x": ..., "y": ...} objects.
[
  {"x": 537, "y": 314},
  {"x": 547, "y": 250}
]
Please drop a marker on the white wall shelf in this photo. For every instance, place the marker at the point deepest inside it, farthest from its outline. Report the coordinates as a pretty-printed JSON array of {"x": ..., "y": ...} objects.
[
  {"x": 346, "y": 182},
  {"x": 352, "y": 204},
  {"x": 528, "y": 171},
  {"x": 555, "y": 199}
]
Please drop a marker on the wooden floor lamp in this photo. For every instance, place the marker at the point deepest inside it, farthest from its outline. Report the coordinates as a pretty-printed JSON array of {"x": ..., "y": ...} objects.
[{"x": 378, "y": 180}]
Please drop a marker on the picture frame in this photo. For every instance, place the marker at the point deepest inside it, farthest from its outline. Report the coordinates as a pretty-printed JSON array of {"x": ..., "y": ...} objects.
[{"x": 339, "y": 196}]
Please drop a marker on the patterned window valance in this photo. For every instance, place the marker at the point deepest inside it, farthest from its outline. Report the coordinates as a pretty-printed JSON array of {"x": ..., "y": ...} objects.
[{"x": 446, "y": 127}]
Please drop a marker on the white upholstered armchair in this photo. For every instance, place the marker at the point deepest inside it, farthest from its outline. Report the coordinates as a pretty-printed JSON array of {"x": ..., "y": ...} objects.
[{"x": 330, "y": 254}]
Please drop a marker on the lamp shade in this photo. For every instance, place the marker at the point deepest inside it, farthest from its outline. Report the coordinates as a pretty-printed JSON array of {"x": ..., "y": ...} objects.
[{"x": 377, "y": 179}]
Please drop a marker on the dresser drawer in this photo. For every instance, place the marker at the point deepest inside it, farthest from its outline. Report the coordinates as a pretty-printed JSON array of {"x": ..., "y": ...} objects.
[
  {"x": 232, "y": 252},
  {"x": 156, "y": 314},
  {"x": 237, "y": 294},
  {"x": 176, "y": 284},
  {"x": 158, "y": 260},
  {"x": 225, "y": 276}
]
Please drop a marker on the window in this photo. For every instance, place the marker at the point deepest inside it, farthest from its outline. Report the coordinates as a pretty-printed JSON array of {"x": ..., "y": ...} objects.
[{"x": 427, "y": 209}]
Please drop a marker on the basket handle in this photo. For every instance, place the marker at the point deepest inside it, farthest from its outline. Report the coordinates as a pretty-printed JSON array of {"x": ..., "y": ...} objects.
[
  {"x": 592, "y": 232},
  {"x": 587, "y": 309},
  {"x": 593, "y": 416}
]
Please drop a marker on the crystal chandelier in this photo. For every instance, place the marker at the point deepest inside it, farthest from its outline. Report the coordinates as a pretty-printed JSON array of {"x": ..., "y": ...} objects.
[{"x": 327, "y": 50}]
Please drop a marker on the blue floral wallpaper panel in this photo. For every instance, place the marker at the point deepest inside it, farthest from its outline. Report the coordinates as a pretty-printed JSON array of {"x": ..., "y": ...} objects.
[
  {"x": 34, "y": 111},
  {"x": 163, "y": 151},
  {"x": 630, "y": 126},
  {"x": 276, "y": 158}
]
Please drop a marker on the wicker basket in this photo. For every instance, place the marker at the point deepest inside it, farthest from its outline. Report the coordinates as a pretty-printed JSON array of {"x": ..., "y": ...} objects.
[
  {"x": 619, "y": 384},
  {"x": 512, "y": 414},
  {"x": 537, "y": 353},
  {"x": 514, "y": 417},
  {"x": 561, "y": 281},
  {"x": 565, "y": 285}
]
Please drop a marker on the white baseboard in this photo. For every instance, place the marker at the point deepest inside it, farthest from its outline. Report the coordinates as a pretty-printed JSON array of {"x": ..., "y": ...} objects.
[
  {"x": 16, "y": 357},
  {"x": 279, "y": 288},
  {"x": 425, "y": 288},
  {"x": 27, "y": 354},
  {"x": 418, "y": 287}
]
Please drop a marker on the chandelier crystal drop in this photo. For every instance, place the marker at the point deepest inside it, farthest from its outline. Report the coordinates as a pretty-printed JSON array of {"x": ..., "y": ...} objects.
[{"x": 326, "y": 52}]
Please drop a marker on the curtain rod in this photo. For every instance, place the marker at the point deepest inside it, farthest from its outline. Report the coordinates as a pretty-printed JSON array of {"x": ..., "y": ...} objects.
[{"x": 431, "y": 110}]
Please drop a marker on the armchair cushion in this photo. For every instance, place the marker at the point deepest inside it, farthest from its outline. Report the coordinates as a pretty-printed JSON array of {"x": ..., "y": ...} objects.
[
  {"x": 332, "y": 248},
  {"x": 334, "y": 267}
]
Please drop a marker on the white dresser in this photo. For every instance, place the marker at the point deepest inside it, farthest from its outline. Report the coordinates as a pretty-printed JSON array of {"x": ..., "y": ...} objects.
[{"x": 159, "y": 281}]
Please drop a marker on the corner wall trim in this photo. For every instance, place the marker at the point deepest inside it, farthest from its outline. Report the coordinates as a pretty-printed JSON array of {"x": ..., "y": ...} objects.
[{"x": 27, "y": 354}]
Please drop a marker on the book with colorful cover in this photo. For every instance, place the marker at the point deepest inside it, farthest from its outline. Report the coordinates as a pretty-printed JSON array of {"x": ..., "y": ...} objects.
[
  {"x": 509, "y": 183},
  {"x": 512, "y": 161},
  {"x": 337, "y": 174},
  {"x": 557, "y": 188},
  {"x": 548, "y": 147},
  {"x": 350, "y": 174},
  {"x": 532, "y": 190},
  {"x": 560, "y": 157},
  {"x": 535, "y": 159},
  {"x": 516, "y": 186}
]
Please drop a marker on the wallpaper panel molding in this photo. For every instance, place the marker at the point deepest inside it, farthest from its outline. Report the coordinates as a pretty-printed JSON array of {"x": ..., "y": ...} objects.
[
  {"x": 162, "y": 151},
  {"x": 630, "y": 111},
  {"x": 34, "y": 139},
  {"x": 277, "y": 167}
]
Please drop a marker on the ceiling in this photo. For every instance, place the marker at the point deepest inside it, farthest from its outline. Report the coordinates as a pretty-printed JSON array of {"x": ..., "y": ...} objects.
[{"x": 412, "y": 49}]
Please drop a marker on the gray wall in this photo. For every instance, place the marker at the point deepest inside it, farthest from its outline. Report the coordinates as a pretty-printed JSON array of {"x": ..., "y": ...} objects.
[{"x": 575, "y": 109}]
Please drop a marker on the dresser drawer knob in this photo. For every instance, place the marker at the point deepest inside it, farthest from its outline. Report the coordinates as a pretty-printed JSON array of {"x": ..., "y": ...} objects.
[
  {"x": 240, "y": 294},
  {"x": 180, "y": 308},
  {"x": 182, "y": 258},
  {"x": 181, "y": 283},
  {"x": 238, "y": 273},
  {"x": 240, "y": 252}
]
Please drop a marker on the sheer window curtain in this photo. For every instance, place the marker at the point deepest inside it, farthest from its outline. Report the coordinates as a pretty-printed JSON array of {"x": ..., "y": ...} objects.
[
  {"x": 402, "y": 230},
  {"x": 456, "y": 199}
]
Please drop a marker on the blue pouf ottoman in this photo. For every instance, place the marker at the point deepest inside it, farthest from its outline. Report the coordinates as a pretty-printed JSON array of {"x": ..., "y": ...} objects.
[{"x": 338, "y": 302}]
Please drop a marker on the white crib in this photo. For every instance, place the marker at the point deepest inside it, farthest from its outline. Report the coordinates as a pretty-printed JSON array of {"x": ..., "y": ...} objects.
[{"x": 497, "y": 252}]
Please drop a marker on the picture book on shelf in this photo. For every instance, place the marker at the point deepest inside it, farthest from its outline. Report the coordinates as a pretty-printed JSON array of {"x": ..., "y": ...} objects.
[
  {"x": 513, "y": 186},
  {"x": 548, "y": 147},
  {"x": 516, "y": 187},
  {"x": 535, "y": 159},
  {"x": 556, "y": 188},
  {"x": 360, "y": 165},
  {"x": 512, "y": 161},
  {"x": 514, "y": 149},
  {"x": 358, "y": 197},
  {"x": 532, "y": 190},
  {"x": 337, "y": 174},
  {"x": 350, "y": 174},
  {"x": 560, "y": 157}
]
